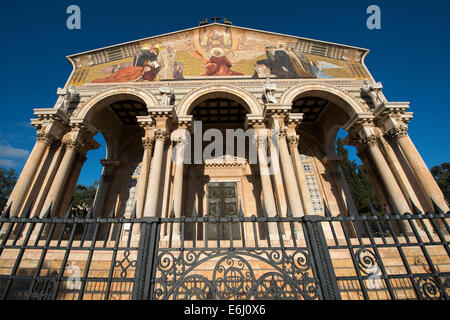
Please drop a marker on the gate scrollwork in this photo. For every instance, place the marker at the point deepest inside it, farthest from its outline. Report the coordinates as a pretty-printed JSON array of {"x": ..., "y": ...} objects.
[{"x": 237, "y": 275}]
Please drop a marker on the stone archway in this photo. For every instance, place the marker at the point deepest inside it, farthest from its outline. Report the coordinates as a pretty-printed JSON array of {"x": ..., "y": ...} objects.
[
  {"x": 227, "y": 91},
  {"x": 340, "y": 97},
  {"x": 104, "y": 98}
]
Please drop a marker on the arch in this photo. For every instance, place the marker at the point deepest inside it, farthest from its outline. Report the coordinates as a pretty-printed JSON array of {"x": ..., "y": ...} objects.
[
  {"x": 194, "y": 97},
  {"x": 338, "y": 96},
  {"x": 104, "y": 98}
]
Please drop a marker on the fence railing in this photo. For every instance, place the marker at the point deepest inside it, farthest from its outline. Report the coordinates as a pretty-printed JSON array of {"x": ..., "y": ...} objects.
[{"x": 236, "y": 257}]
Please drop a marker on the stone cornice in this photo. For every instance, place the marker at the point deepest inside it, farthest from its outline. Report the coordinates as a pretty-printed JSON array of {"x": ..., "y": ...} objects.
[
  {"x": 365, "y": 118},
  {"x": 51, "y": 114},
  {"x": 271, "y": 109},
  {"x": 391, "y": 108},
  {"x": 294, "y": 119},
  {"x": 185, "y": 122},
  {"x": 145, "y": 122},
  {"x": 252, "y": 120}
]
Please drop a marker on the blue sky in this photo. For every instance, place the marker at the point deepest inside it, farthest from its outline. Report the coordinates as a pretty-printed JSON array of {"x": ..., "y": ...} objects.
[{"x": 409, "y": 55}]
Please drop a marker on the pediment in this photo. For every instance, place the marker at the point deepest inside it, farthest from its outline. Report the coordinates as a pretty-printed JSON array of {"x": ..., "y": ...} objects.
[{"x": 218, "y": 51}]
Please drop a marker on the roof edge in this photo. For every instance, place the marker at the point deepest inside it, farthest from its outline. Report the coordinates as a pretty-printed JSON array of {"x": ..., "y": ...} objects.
[{"x": 220, "y": 24}]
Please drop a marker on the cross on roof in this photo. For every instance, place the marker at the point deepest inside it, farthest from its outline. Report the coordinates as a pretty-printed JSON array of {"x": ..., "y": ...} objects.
[{"x": 215, "y": 19}]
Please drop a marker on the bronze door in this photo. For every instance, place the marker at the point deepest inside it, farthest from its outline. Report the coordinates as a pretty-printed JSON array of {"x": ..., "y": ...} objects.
[{"x": 222, "y": 202}]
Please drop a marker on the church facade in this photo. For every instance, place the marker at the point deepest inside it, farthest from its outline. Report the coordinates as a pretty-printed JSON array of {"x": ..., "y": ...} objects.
[
  {"x": 142, "y": 95},
  {"x": 226, "y": 121}
]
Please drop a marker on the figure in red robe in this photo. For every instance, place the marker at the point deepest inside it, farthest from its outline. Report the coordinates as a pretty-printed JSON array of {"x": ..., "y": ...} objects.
[{"x": 219, "y": 65}]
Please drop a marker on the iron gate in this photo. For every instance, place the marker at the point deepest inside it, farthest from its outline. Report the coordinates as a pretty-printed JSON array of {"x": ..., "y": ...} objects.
[{"x": 307, "y": 258}]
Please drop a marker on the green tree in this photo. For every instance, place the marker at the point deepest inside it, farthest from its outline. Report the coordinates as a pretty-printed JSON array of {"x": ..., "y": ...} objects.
[
  {"x": 358, "y": 181},
  {"x": 8, "y": 179},
  {"x": 82, "y": 199},
  {"x": 442, "y": 175}
]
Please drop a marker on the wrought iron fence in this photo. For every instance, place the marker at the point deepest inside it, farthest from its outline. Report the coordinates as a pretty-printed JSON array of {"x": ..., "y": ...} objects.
[{"x": 258, "y": 257}]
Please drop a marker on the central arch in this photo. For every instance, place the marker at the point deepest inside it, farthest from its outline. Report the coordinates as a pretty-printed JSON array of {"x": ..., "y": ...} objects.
[{"x": 196, "y": 96}]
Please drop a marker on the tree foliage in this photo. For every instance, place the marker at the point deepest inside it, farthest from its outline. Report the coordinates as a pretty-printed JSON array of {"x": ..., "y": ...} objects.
[
  {"x": 83, "y": 198},
  {"x": 8, "y": 179},
  {"x": 442, "y": 175},
  {"x": 358, "y": 181}
]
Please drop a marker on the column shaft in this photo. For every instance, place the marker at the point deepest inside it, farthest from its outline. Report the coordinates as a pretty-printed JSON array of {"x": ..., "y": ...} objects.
[
  {"x": 422, "y": 172},
  {"x": 151, "y": 204},
  {"x": 289, "y": 180},
  {"x": 23, "y": 184},
  {"x": 308, "y": 207},
  {"x": 178, "y": 184},
  {"x": 269, "y": 200},
  {"x": 141, "y": 188},
  {"x": 40, "y": 199},
  {"x": 62, "y": 175},
  {"x": 393, "y": 189}
]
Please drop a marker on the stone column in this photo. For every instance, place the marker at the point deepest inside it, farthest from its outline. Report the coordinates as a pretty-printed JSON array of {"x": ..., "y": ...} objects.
[
  {"x": 141, "y": 188},
  {"x": 308, "y": 207},
  {"x": 55, "y": 193},
  {"x": 57, "y": 157},
  {"x": 151, "y": 203},
  {"x": 420, "y": 169},
  {"x": 269, "y": 200},
  {"x": 289, "y": 177},
  {"x": 102, "y": 190},
  {"x": 178, "y": 183},
  {"x": 388, "y": 179},
  {"x": 29, "y": 171}
]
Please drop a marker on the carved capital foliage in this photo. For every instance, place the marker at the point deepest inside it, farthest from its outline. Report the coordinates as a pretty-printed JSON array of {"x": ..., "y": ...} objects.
[
  {"x": 369, "y": 141},
  {"x": 161, "y": 135},
  {"x": 45, "y": 137},
  {"x": 147, "y": 143},
  {"x": 73, "y": 145},
  {"x": 397, "y": 132},
  {"x": 282, "y": 133},
  {"x": 293, "y": 140}
]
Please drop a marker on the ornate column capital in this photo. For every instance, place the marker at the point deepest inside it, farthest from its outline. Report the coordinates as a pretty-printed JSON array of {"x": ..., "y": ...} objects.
[
  {"x": 397, "y": 132},
  {"x": 282, "y": 132},
  {"x": 293, "y": 140},
  {"x": 161, "y": 135},
  {"x": 369, "y": 140},
  {"x": 147, "y": 142},
  {"x": 72, "y": 145},
  {"x": 45, "y": 137}
]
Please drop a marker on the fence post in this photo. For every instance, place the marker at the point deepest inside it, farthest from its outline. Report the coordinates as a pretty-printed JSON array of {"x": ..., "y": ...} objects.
[
  {"x": 322, "y": 260},
  {"x": 148, "y": 244}
]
